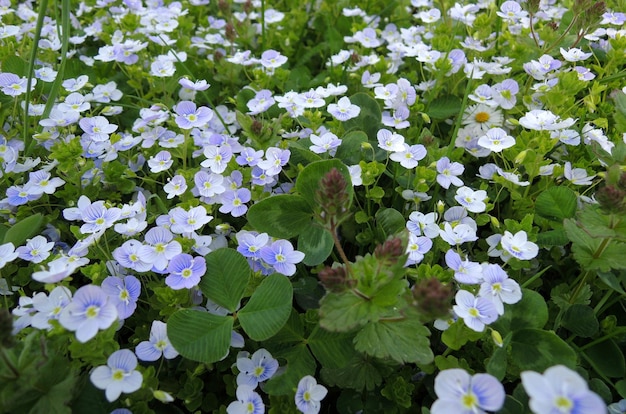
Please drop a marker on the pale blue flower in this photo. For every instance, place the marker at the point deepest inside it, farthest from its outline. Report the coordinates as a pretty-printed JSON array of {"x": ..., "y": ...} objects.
[
  {"x": 464, "y": 270},
  {"x": 260, "y": 367},
  {"x": 282, "y": 257},
  {"x": 248, "y": 402},
  {"x": 118, "y": 375},
  {"x": 309, "y": 395},
  {"x": 560, "y": 390},
  {"x": 36, "y": 249},
  {"x": 461, "y": 393},
  {"x": 90, "y": 311},
  {"x": 123, "y": 293},
  {"x": 185, "y": 271},
  {"x": 476, "y": 312},
  {"x": 158, "y": 345}
]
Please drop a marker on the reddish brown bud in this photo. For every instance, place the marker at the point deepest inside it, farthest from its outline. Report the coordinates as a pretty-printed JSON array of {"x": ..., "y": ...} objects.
[
  {"x": 230, "y": 32},
  {"x": 334, "y": 279},
  {"x": 390, "y": 249},
  {"x": 432, "y": 298},
  {"x": 257, "y": 127},
  {"x": 332, "y": 196}
]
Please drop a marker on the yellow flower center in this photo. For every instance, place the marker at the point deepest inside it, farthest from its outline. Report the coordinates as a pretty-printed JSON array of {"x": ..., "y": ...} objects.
[
  {"x": 92, "y": 311},
  {"x": 563, "y": 403},
  {"x": 118, "y": 375},
  {"x": 469, "y": 400},
  {"x": 481, "y": 117}
]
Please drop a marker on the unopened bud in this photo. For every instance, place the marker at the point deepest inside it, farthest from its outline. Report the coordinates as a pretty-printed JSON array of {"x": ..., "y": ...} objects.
[
  {"x": 432, "y": 298},
  {"x": 497, "y": 338},
  {"x": 494, "y": 222},
  {"x": 390, "y": 249},
  {"x": 163, "y": 396},
  {"x": 521, "y": 157},
  {"x": 334, "y": 279}
]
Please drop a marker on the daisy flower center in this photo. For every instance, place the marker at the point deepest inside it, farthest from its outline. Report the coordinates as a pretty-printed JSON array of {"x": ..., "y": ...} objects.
[{"x": 482, "y": 117}]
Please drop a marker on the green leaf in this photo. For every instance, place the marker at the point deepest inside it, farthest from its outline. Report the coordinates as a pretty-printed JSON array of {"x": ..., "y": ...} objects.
[
  {"x": 390, "y": 221},
  {"x": 497, "y": 364},
  {"x": 361, "y": 373},
  {"x": 444, "y": 107},
  {"x": 332, "y": 349},
  {"x": 551, "y": 238},
  {"x": 530, "y": 312},
  {"x": 299, "y": 364},
  {"x": 23, "y": 230},
  {"x": 268, "y": 308},
  {"x": 613, "y": 281},
  {"x": 607, "y": 358},
  {"x": 537, "y": 350},
  {"x": 292, "y": 331},
  {"x": 350, "y": 149},
  {"x": 316, "y": 243},
  {"x": 620, "y": 386},
  {"x": 512, "y": 406},
  {"x": 458, "y": 335},
  {"x": 580, "y": 320},
  {"x": 342, "y": 312},
  {"x": 226, "y": 278},
  {"x": 283, "y": 216},
  {"x": 199, "y": 335},
  {"x": 403, "y": 341},
  {"x": 309, "y": 178},
  {"x": 557, "y": 203}
]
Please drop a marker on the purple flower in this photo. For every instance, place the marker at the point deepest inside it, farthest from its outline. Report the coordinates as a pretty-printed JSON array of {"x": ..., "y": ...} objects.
[
  {"x": 18, "y": 195},
  {"x": 476, "y": 312},
  {"x": 258, "y": 368},
  {"x": 159, "y": 344},
  {"x": 90, "y": 311},
  {"x": 309, "y": 395},
  {"x": 233, "y": 202},
  {"x": 461, "y": 393},
  {"x": 282, "y": 257},
  {"x": 560, "y": 390},
  {"x": 188, "y": 116},
  {"x": 185, "y": 271},
  {"x": 118, "y": 375},
  {"x": 123, "y": 293}
]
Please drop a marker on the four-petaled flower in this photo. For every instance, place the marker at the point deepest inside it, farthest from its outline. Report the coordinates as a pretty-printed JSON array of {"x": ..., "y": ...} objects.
[
  {"x": 118, "y": 375},
  {"x": 461, "y": 393},
  {"x": 309, "y": 395}
]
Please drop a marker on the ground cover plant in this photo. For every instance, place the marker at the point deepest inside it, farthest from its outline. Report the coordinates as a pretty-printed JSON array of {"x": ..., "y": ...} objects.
[{"x": 312, "y": 206}]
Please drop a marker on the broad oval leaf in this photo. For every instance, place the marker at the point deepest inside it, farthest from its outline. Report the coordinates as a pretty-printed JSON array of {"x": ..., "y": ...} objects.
[
  {"x": 268, "y": 309},
  {"x": 283, "y": 216},
  {"x": 580, "y": 320},
  {"x": 350, "y": 149},
  {"x": 537, "y": 350},
  {"x": 390, "y": 221},
  {"x": 607, "y": 358},
  {"x": 199, "y": 335},
  {"x": 308, "y": 181},
  {"x": 316, "y": 243},
  {"x": 530, "y": 312},
  {"x": 226, "y": 278}
]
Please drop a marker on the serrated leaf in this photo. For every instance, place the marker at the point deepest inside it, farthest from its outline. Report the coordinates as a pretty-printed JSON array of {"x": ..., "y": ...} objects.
[
  {"x": 607, "y": 358},
  {"x": 226, "y": 278},
  {"x": 299, "y": 364},
  {"x": 580, "y": 320},
  {"x": 309, "y": 178},
  {"x": 556, "y": 203},
  {"x": 199, "y": 335},
  {"x": 342, "y": 312},
  {"x": 23, "y": 230},
  {"x": 283, "y": 216},
  {"x": 332, "y": 349},
  {"x": 403, "y": 341},
  {"x": 537, "y": 350},
  {"x": 359, "y": 374},
  {"x": 316, "y": 243},
  {"x": 552, "y": 238},
  {"x": 268, "y": 309}
]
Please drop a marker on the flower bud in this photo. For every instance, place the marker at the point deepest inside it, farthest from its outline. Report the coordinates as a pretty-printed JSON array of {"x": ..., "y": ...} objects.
[
  {"x": 432, "y": 298},
  {"x": 497, "y": 338},
  {"x": 332, "y": 197},
  {"x": 334, "y": 279}
]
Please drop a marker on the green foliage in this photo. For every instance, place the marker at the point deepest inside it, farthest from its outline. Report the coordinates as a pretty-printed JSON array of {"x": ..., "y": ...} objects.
[
  {"x": 537, "y": 350},
  {"x": 268, "y": 309},
  {"x": 226, "y": 278},
  {"x": 199, "y": 335},
  {"x": 26, "y": 228}
]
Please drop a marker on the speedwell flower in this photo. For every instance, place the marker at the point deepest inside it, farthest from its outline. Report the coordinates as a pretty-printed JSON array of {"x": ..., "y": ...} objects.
[
  {"x": 462, "y": 393},
  {"x": 118, "y": 375},
  {"x": 90, "y": 311}
]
